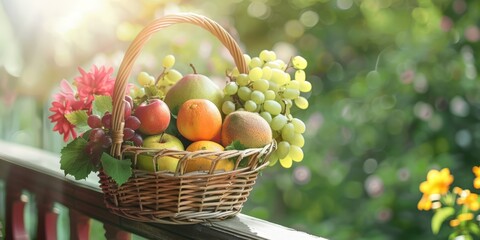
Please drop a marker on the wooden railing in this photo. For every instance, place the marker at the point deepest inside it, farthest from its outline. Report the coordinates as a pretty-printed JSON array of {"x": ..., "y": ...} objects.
[{"x": 24, "y": 169}]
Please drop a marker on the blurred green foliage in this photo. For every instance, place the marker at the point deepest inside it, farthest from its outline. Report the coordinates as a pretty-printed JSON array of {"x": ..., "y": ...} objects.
[{"x": 395, "y": 93}]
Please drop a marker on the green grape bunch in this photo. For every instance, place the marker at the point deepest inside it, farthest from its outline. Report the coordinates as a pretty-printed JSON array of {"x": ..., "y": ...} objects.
[
  {"x": 271, "y": 88},
  {"x": 157, "y": 88}
]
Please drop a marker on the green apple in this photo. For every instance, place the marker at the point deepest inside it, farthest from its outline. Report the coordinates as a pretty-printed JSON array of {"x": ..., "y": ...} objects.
[{"x": 160, "y": 141}]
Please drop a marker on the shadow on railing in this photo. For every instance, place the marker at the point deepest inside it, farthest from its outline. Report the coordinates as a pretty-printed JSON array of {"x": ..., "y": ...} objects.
[{"x": 27, "y": 172}]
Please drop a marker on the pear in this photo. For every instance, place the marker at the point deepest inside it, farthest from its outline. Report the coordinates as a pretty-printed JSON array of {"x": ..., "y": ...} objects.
[{"x": 193, "y": 86}]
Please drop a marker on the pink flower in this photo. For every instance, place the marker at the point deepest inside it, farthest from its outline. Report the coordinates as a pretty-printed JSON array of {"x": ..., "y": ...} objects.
[
  {"x": 96, "y": 82},
  {"x": 63, "y": 126},
  {"x": 63, "y": 103},
  {"x": 66, "y": 92}
]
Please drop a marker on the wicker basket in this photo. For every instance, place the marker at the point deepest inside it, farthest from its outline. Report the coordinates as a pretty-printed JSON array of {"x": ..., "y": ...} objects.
[{"x": 179, "y": 197}]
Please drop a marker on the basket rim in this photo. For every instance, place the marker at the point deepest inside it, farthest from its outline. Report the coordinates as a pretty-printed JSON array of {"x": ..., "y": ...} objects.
[
  {"x": 194, "y": 174},
  {"x": 254, "y": 156}
]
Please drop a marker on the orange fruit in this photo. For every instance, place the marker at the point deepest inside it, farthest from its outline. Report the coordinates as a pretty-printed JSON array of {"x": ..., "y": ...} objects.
[
  {"x": 205, "y": 163},
  {"x": 199, "y": 119},
  {"x": 250, "y": 129}
]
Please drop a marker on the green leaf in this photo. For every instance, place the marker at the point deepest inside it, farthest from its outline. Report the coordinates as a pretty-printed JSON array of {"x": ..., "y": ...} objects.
[
  {"x": 235, "y": 145},
  {"x": 86, "y": 135},
  {"x": 74, "y": 161},
  {"x": 474, "y": 228},
  {"x": 119, "y": 170},
  {"x": 440, "y": 216},
  {"x": 101, "y": 104},
  {"x": 79, "y": 119},
  {"x": 453, "y": 235}
]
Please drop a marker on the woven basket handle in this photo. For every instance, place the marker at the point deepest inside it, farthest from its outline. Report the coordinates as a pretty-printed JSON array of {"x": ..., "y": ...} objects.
[{"x": 134, "y": 50}]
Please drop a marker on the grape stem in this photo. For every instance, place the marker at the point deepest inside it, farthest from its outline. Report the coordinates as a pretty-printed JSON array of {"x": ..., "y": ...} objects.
[
  {"x": 229, "y": 76},
  {"x": 289, "y": 64},
  {"x": 161, "y": 76},
  {"x": 286, "y": 112},
  {"x": 235, "y": 99}
]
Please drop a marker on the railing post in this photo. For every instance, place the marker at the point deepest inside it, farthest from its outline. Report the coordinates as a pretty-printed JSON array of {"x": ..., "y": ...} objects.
[
  {"x": 15, "y": 222},
  {"x": 1, "y": 230},
  {"x": 79, "y": 225},
  {"x": 112, "y": 232},
  {"x": 47, "y": 218}
]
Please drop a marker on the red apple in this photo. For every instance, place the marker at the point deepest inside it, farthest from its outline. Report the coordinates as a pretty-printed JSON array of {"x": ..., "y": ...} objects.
[{"x": 154, "y": 116}]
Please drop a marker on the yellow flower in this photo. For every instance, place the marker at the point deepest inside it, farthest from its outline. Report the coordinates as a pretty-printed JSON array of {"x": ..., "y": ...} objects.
[
  {"x": 465, "y": 217},
  {"x": 476, "y": 181},
  {"x": 468, "y": 199},
  {"x": 454, "y": 222},
  {"x": 461, "y": 218},
  {"x": 457, "y": 190},
  {"x": 425, "y": 203},
  {"x": 438, "y": 182},
  {"x": 476, "y": 171}
]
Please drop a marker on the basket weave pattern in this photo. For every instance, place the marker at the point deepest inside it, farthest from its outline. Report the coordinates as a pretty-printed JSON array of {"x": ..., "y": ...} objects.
[{"x": 179, "y": 197}]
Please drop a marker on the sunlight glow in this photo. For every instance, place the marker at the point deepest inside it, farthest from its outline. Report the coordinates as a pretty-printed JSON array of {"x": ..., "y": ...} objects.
[
  {"x": 65, "y": 13},
  {"x": 75, "y": 13}
]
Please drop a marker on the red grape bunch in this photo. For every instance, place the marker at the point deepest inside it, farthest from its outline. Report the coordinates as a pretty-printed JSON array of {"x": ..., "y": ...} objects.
[{"x": 100, "y": 139}]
